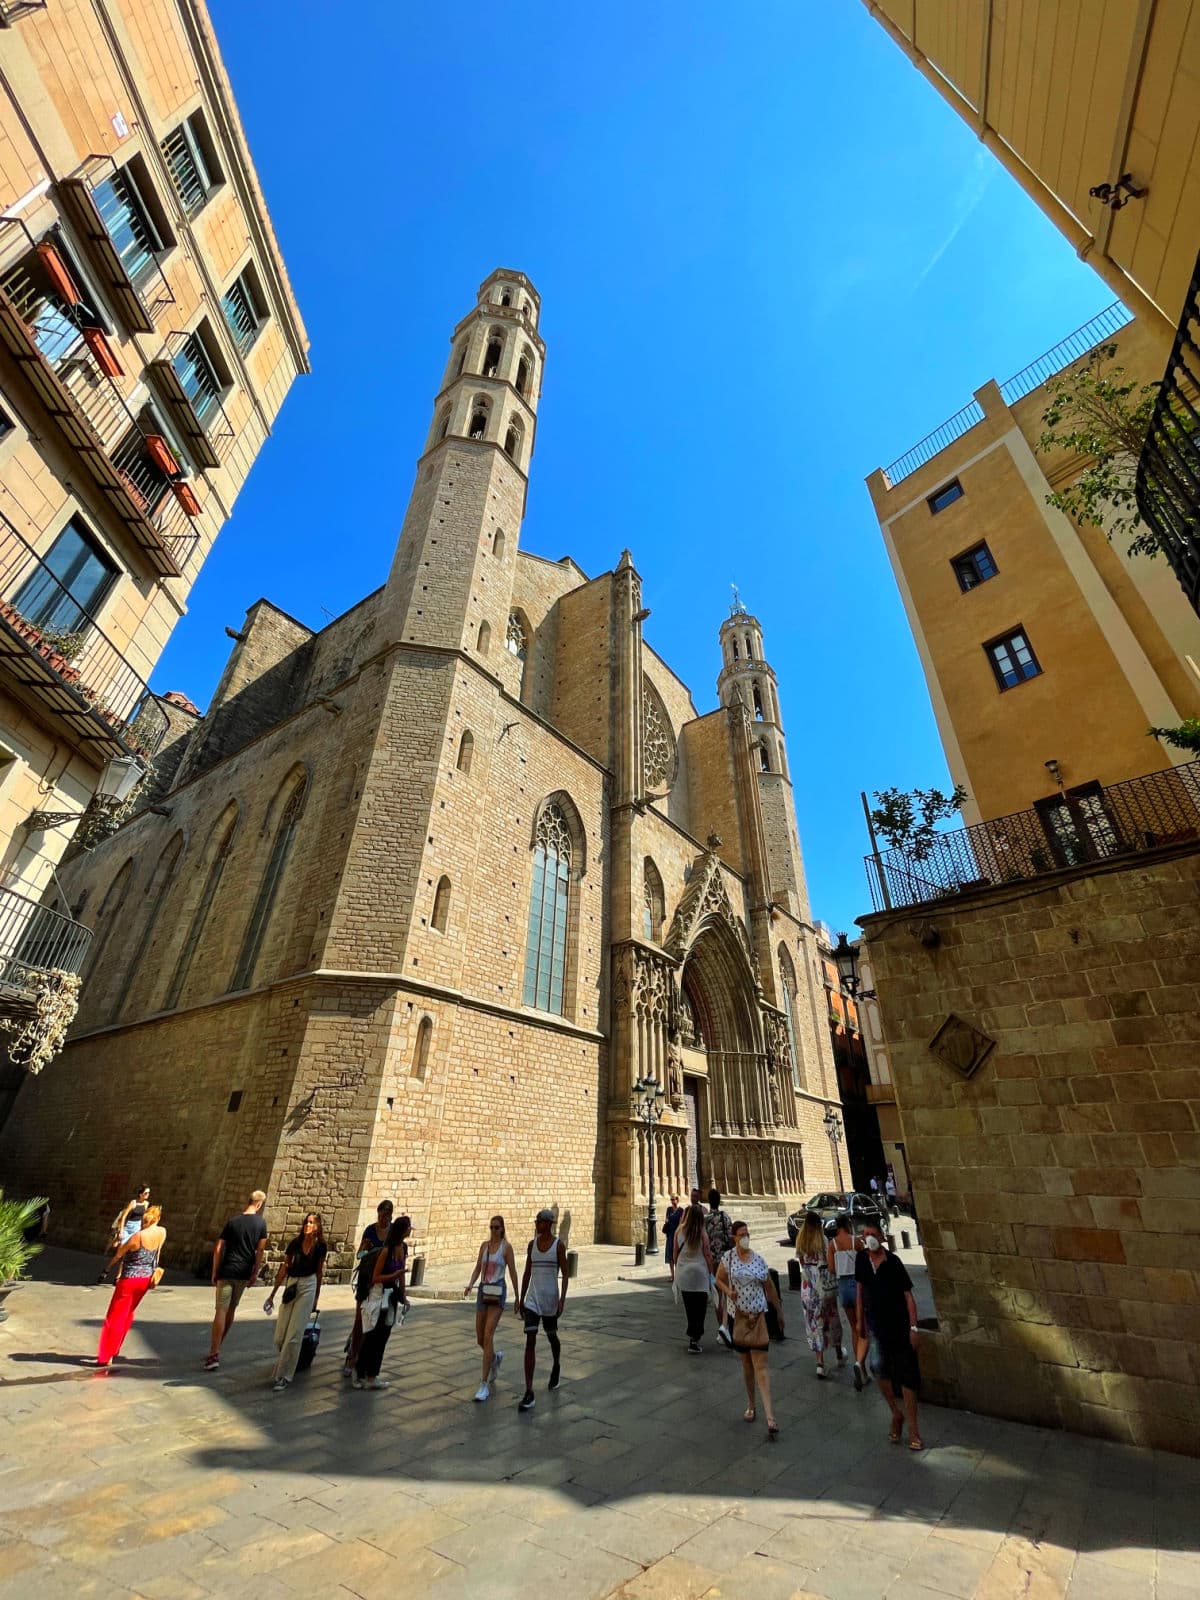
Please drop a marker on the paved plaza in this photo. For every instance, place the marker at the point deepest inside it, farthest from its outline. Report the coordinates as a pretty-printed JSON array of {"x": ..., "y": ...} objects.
[{"x": 637, "y": 1478}]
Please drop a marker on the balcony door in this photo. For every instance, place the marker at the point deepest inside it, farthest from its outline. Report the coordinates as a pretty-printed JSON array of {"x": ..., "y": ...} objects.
[
  {"x": 69, "y": 586},
  {"x": 1078, "y": 825}
]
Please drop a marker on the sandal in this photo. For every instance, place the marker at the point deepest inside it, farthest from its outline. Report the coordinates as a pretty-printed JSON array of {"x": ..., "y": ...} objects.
[
  {"x": 914, "y": 1442},
  {"x": 896, "y": 1429},
  {"x": 749, "y": 1414}
]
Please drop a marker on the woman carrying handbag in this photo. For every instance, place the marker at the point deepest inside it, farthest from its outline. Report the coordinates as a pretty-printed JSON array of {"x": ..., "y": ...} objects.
[
  {"x": 139, "y": 1272},
  {"x": 301, "y": 1273},
  {"x": 744, "y": 1279},
  {"x": 495, "y": 1258}
]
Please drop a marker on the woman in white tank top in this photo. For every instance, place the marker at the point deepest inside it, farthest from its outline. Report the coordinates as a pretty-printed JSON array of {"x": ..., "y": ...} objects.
[{"x": 495, "y": 1258}]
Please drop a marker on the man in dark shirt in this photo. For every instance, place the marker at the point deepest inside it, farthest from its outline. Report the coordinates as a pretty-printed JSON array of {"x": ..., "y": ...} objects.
[
  {"x": 237, "y": 1258},
  {"x": 886, "y": 1309}
]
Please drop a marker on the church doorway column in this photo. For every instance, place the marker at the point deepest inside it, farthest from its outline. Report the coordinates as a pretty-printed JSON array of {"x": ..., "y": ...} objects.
[{"x": 691, "y": 1106}]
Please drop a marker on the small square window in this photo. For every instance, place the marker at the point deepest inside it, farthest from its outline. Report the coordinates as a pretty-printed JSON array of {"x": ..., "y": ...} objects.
[
  {"x": 973, "y": 567},
  {"x": 192, "y": 163},
  {"x": 945, "y": 496},
  {"x": 1012, "y": 659}
]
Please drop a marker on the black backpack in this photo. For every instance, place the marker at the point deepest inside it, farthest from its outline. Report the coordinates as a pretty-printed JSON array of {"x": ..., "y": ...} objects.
[{"x": 363, "y": 1274}]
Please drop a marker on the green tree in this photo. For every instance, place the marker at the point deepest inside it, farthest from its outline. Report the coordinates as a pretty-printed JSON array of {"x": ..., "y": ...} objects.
[
  {"x": 1185, "y": 737},
  {"x": 908, "y": 818},
  {"x": 1098, "y": 412}
]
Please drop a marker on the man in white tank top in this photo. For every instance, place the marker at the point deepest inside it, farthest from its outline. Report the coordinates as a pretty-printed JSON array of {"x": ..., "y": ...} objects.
[{"x": 541, "y": 1299}]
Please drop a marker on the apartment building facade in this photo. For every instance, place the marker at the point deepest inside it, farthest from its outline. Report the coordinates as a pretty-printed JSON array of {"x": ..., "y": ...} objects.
[{"x": 148, "y": 337}]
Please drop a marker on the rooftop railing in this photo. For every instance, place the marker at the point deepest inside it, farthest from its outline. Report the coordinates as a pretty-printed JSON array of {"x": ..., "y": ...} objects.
[
  {"x": 60, "y": 654},
  {"x": 35, "y": 940},
  {"x": 1100, "y": 327},
  {"x": 1168, "y": 474},
  {"x": 1090, "y": 825}
]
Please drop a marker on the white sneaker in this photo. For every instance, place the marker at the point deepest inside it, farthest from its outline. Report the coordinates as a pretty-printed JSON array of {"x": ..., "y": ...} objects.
[
  {"x": 483, "y": 1392},
  {"x": 378, "y": 1383},
  {"x": 497, "y": 1358}
]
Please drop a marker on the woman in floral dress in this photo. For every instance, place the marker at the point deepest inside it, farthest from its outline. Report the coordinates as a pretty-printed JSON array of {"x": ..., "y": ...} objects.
[{"x": 818, "y": 1292}]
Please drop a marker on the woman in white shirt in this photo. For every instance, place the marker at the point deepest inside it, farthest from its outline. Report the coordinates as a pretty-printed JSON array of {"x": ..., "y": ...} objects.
[{"x": 743, "y": 1276}]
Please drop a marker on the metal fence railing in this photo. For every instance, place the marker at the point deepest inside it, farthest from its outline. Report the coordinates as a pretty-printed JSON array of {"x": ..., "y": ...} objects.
[
  {"x": 1102, "y": 326},
  {"x": 35, "y": 940},
  {"x": 1069, "y": 830},
  {"x": 38, "y": 608},
  {"x": 1168, "y": 474}
]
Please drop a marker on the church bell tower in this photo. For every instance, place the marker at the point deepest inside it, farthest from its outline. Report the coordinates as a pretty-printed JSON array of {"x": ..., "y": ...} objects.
[
  {"x": 451, "y": 579},
  {"x": 749, "y": 679}
]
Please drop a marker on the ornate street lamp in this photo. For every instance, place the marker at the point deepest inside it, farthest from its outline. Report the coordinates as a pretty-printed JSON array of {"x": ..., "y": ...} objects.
[
  {"x": 648, "y": 1106},
  {"x": 846, "y": 956}
]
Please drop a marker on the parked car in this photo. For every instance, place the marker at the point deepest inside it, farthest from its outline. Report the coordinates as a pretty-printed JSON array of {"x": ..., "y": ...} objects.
[{"x": 829, "y": 1206}]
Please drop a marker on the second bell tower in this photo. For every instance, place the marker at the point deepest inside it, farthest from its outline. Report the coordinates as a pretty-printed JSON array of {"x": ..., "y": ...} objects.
[{"x": 451, "y": 579}]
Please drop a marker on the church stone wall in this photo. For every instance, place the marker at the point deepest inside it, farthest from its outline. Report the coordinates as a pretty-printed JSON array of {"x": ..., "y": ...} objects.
[
  {"x": 582, "y": 707},
  {"x": 705, "y": 746}
]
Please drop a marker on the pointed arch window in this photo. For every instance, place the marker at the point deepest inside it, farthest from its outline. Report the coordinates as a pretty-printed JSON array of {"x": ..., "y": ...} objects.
[
  {"x": 764, "y": 756},
  {"x": 477, "y": 428},
  {"x": 788, "y": 985},
  {"x": 485, "y": 638},
  {"x": 653, "y": 902},
  {"x": 285, "y": 833},
  {"x": 736, "y": 651},
  {"x": 512, "y": 442},
  {"x": 516, "y": 641},
  {"x": 466, "y": 752},
  {"x": 492, "y": 354},
  {"x": 546, "y": 945},
  {"x": 658, "y": 741},
  {"x": 758, "y": 705},
  {"x": 106, "y": 919},
  {"x": 523, "y": 370},
  {"x": 441, "y": 906},
  {"x": 420, "y": 1060},
  {"x": 220, "y": 855},
  {"x": 161, "y": 882},
  {"x": 498, "y": 543}
]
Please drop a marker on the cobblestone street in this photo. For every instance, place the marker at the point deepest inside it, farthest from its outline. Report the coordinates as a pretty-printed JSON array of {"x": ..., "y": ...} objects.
[{"x": 638, "y": 1477}]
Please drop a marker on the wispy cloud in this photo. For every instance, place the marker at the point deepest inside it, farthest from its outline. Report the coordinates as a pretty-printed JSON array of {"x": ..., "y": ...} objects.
[{"x": 970, "y": 192}]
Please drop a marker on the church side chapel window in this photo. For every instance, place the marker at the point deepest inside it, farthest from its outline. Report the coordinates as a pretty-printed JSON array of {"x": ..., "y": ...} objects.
[
  {"x": 658, "y": 745},
  {"x": 515, "y": 641},
  {"x": 265, "y": 904},
  {"x": 653, "y": 909},
  {"x": 546, "y": 949}
]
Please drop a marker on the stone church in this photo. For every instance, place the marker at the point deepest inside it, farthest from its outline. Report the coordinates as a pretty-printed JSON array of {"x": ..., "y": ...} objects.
[{"x": 424, "y": 893}]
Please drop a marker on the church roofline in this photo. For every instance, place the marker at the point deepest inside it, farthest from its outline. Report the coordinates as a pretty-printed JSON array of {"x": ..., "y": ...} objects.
[{"x": 548, "y": 561}]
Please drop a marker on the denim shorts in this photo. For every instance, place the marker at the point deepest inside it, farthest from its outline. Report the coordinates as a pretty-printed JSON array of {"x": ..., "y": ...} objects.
[{"x": 848, "y": 1295}]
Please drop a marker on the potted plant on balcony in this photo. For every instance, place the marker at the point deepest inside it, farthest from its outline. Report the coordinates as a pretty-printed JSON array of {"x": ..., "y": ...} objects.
[{"x": 19, "y": 1225}]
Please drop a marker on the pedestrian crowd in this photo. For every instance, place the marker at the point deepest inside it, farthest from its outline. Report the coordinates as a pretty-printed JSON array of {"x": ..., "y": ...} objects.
[{"x": 711, "y": 1260}]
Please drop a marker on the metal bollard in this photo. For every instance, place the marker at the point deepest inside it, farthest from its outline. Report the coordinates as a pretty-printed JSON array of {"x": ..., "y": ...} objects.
[
  {"x": 905, "y": 1239},
  {"x": 572, "y": 1263},
  {"x": 795, "y": 1280},
  {"x": 417, "y": 1275},
  {"x": 639, "y": 1255}
]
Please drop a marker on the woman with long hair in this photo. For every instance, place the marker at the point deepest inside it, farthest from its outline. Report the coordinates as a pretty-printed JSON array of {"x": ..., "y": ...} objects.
[
  {"x": 693, "y": 1273},
  {"x": 300, "y": 1273},
  {"x": 671, "y": 1221},
  {"x": 818, "y": 1292},
  {"x": 125, "y": 1224},
  {"x": 495, "y": 1258},
  {"x": 840, "y": 1258},
  {"x": 743, "y": 1276},
  {"x": 137, "y": 1261},
  {"x": 374, "y": 1236},
  {"x": 379, "y": 1311}
]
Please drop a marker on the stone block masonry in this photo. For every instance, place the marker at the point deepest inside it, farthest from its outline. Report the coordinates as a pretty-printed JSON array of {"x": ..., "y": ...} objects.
[{"x": 1057, "y": 1186}]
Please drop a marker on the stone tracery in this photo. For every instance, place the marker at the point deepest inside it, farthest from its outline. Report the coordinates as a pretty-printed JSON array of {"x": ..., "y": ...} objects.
[{"x": 658, "y": 742}]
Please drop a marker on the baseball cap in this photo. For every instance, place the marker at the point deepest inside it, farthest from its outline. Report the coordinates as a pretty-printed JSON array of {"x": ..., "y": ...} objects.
[{"x": 545, "y": 1215}]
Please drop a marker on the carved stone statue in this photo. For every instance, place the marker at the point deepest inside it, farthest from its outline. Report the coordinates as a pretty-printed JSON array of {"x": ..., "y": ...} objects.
[{"x": 675, "y": 1075}]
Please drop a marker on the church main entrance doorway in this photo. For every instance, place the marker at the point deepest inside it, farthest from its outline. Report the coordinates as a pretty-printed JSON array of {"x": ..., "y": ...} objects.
[{"x": 691, "y": 1104}]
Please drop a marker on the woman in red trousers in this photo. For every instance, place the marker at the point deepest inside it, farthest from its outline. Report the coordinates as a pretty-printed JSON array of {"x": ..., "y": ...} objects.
[{"x": 136, "y": 1261}]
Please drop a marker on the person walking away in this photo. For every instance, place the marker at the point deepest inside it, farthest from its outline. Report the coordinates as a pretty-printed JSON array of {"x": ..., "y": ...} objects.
[
  {"x": 541, "y": 1301},
  {"x": 236, "y": 1263},
  {"x": 374, "y": 1236},
  {"x": 744, "y": 1279},
  {"x": 720, "y": 1242},
  {"x": 887, "y": 1309},
  {"x": 818, "y": 1291},
  {"x": 137, "y": 1272},
  {"x": 495, "y": 1258},
  {"x": 301, "y": 1274},
  {"x": 671, "y": 1221},
  {"x": 840, "y": 1256},
  {"x": 379, "y": 1309},
  {"x": 892, "y": 1197},
  {"x": 693, "y": 1274},
  {"x": 126, "y": 1223}
]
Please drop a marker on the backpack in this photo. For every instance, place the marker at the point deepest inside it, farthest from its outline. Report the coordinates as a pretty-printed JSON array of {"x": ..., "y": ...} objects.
[{"x": 363, "y": 1273}]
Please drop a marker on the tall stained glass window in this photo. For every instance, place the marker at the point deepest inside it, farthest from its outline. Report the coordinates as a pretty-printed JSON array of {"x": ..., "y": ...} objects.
[{"x": 546, "y": 948}]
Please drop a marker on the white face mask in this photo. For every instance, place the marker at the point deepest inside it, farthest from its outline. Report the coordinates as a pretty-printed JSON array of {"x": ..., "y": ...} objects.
[
  {"x": 743, "y": 1243},
  {"x": 872, "y": 1243}
]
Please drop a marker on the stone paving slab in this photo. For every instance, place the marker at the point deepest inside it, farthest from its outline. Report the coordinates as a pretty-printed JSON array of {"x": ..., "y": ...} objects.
[{"x": 637, "y": 1478}]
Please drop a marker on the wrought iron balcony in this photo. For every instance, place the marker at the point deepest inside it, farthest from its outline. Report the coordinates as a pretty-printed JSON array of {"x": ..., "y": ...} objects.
[
  {"x": 1073, "y": 829},
  {"x": 110, "y": 215},
  {"x": 1168, "y": 474},
  {"x": 13, "y": 10},
  {"x": 71, "y": 669},
  {"x": 35, "y": 940},
  {"x": 59, "y": 358}
]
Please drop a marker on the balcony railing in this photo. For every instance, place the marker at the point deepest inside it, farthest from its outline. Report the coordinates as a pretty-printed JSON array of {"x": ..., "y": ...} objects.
[
  {"x": 1071, "y": 830},
  {"x": 1168, "y": 474},
  {"x": 13, "y": 10},
  {"x": 104, "y": 203},
  {"x": 44, "y": 335},
  {"x": 74, "y": 670},
  {"x": 1102, "y": 326},
  {"x": 35, "y": 940}
]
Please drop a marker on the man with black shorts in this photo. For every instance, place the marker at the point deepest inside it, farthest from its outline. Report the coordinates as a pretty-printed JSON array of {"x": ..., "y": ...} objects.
[
  {"x": 236, "y": 1260},
  {"x": 541, "y": 1301},
  {"x": 886, "y": 1309}
]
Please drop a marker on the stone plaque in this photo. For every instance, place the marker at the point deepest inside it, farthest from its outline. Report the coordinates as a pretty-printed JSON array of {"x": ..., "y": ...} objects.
[{"x": 961, "y": 1045}]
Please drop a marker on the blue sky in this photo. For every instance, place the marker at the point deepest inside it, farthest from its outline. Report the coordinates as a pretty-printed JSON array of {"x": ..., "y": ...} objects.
[{"x": 770, "y": 259}]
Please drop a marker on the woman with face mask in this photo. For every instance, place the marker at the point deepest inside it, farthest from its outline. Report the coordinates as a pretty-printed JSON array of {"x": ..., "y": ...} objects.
[
  {"x": 887, "y": 1311},
  {"x": 743, "y": 1277}
]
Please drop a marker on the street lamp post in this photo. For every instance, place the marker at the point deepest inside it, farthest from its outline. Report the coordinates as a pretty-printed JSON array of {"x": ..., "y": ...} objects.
[
  {"x": 833, "y": 1127},
  {"x": 648, "y": 1105}
]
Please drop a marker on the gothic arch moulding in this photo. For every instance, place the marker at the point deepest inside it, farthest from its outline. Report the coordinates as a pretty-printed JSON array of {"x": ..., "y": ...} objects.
[
  {"x": 706, "y": 900},
  {"x": 562, "y": 803}
]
